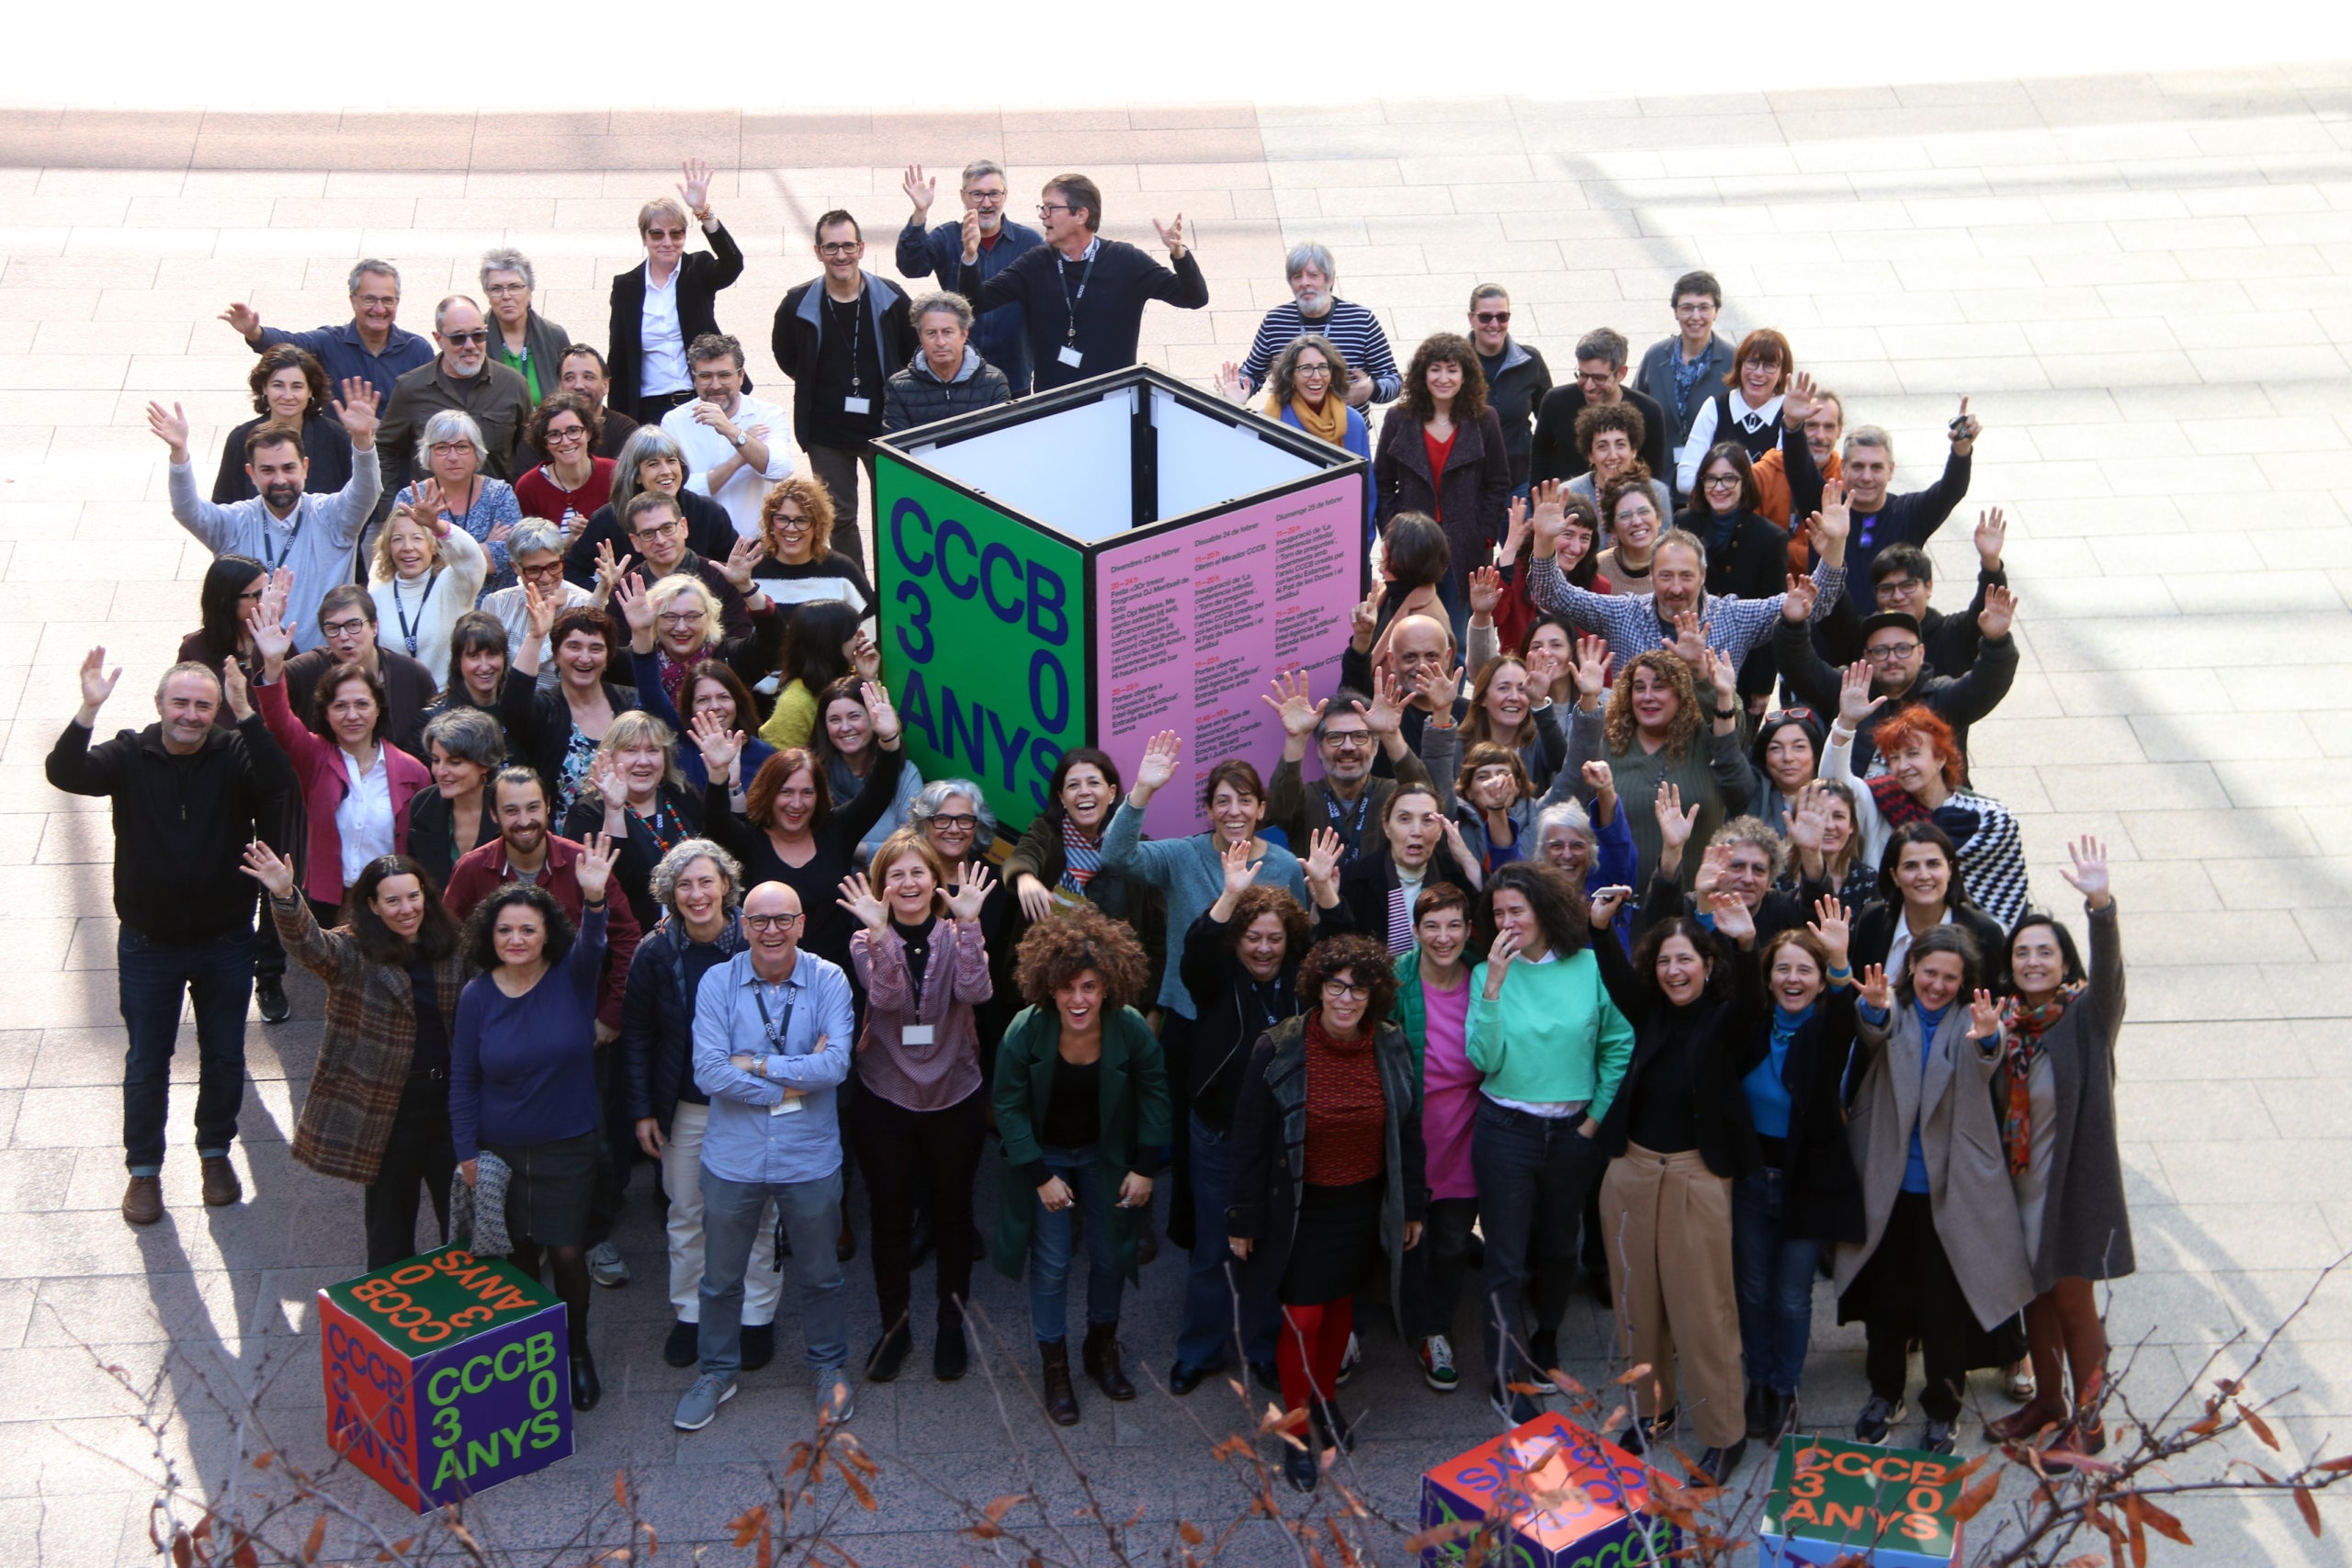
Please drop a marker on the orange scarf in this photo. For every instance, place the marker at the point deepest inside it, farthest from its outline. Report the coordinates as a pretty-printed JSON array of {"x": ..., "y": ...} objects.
[{"x": 1330, "y": 425}]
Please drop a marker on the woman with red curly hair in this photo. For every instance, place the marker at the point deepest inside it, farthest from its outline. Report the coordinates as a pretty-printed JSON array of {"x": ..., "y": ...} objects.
[
  {"x": 1922, "y": 784},
  {"x": 1327, "y": 1171},
  {"x": 1081, "y": 1104}
]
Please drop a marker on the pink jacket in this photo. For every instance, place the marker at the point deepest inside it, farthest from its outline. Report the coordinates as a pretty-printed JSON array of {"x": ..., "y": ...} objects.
[
  {"x": 946, "y": 1071},
  {"x": 318, "y": 763}
]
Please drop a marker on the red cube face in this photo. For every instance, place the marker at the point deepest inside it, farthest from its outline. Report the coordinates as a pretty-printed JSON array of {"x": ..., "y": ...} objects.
[{"x": 1566, "y": 1498}]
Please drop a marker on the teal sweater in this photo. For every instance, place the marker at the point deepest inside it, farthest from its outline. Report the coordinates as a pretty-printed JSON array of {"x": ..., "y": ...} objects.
[
  {"x": 1190, "y": 872},
  {"x": 1553, "y": 1038}
]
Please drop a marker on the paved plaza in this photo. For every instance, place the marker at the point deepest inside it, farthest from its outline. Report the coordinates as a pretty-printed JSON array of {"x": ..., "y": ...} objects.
[{"x": 2141, "y": 284}]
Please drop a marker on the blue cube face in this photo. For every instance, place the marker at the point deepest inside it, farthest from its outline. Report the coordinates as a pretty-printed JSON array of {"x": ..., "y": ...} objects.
[{"x": 493, "y": 1408}]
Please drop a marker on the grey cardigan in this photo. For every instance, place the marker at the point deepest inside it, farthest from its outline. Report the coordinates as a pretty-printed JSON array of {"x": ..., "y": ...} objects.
[
  {"x": 2086, "y": 1226},
  {"x": 1656, "y": 379},
  {"x": 1968, "y": 1177}
]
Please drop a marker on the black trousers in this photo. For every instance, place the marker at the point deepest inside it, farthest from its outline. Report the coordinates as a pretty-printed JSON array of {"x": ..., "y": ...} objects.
[
  {"x": 1912, "y": 1291},
  {"x": 616, "y": 1150},
  {"x": 417, "y": 1155},
  {"x": 934, "y": 1157}
]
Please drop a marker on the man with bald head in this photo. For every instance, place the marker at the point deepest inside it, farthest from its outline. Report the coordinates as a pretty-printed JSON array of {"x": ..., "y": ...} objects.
[
  {"x": 1417, "y": 654},
  {"x": 773, "y": 1028},
  {"x": 187, "y": 798},
  {"x": 463, "y": 377}
]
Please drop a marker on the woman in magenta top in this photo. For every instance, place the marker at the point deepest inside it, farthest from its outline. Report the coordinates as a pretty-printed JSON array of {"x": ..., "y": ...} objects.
[{"x": 1433, "y": 1009}]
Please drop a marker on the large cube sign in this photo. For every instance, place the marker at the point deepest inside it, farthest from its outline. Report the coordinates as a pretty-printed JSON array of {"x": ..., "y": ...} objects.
[
  {"x": 445, "y": 1374},
  {"x": 1566, "y": 1498},
  {"x": 1835, "y": 1501},
  {"x": 1097, "y": 564}
]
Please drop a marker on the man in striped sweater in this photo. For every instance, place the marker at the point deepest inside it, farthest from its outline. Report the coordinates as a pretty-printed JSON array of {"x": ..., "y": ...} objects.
[{"x": 1314, "y": 307}]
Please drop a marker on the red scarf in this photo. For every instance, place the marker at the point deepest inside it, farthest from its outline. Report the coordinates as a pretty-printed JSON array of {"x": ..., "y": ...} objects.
[
  {"x": 2027, "y": 1025},
  {"x": 1897, "y": 805}
]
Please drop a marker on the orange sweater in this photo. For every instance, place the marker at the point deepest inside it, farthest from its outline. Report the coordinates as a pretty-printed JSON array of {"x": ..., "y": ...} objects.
[{"x": 1772, "y": 478}]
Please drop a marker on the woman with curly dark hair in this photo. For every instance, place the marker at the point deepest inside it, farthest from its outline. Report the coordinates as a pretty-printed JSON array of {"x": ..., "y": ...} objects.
[
  {"x": 1652, "y": 735},
  {"x": 572, "y": 483},
  {"x": 522, "y": 1077},
  {"x": 1240, "y": 961},
  {"x": 1081, "y": 1101},
  {"x": 289, "y": 387},
  {"x": 1327, "y": 1171},
  {"x": 1442, "y": 452}
]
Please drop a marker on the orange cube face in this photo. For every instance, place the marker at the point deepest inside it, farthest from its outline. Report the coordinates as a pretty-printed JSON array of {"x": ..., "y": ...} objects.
[{"x": 1565, "y": 1497}]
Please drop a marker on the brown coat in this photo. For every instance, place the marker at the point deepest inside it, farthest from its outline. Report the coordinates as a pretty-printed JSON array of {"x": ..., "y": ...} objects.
[
  {"x": 1469, "y": 500},
  {"x": 346, "y": 1119}
]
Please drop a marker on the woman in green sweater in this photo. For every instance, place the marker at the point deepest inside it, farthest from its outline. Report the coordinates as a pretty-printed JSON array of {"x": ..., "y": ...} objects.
[
  {"x": 1552, "y": 1048},
  {"x": 1651, "y": 735}
]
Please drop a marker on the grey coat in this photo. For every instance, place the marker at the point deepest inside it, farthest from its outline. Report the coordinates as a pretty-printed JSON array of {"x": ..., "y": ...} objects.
[
  {"x": 1968, "y": 1177},
  {"x": 2086, "y": 1226}
]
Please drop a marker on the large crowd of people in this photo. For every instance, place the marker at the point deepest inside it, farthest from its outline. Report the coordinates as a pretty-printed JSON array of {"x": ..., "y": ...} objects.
[{"x": 1636, "y": 918}]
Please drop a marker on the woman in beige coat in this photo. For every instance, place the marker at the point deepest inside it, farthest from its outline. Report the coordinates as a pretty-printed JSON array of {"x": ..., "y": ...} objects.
[{"x": 1944, "y": 1242}]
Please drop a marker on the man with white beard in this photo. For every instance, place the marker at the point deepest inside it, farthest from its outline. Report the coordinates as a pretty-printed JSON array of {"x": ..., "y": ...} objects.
[{"x": 1316, "y": 307}]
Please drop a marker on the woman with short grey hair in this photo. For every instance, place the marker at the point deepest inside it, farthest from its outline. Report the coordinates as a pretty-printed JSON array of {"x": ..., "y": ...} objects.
[
  {"x": 523, "y": 341},
  {"x": 650, "y": 462},
  {"x": 465, "y": 747},
  {"x": 465, "y": 496}
]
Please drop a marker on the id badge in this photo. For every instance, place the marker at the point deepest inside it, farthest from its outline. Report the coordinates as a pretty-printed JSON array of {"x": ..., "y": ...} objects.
[
  {"x": 790, "y": 1103},
  {"x": 918, "y": 1034},
  {"x": 1070, "y": 356},
  {"x": 857, "y": 405}
]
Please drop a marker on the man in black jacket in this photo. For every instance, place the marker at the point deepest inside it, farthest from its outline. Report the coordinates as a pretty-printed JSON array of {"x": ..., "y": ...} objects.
[
  {"x": 1600, "y": 381},
  {"x": 1081, "y": 295},
  {"x": 187, "y": 799},
  {"x": 1881, "y": 517},
  {"x": 668, "y": 301},
  {"x": 949, "y": 377},
  {"x": 1903, "y": 578},
  {"x": 1897, "y": 658},
  {"x": 841, "y": 336},
  {"x": 1352, "y": 731}
]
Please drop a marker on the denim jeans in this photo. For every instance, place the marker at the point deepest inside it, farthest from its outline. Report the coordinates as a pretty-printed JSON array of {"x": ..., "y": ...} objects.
[
  {"x": 1773, "y": 1275},
  {"x": 731, "y": 1216},
  {"x": 1049, "y": 1248},
  {"x": 1207, "y": 1332},
  {"x": 1533, "y": 1174},
  {"x": 152, "y": 979}
]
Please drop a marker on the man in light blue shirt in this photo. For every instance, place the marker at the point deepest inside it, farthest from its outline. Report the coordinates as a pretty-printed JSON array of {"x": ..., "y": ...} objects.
[{"x": 773, "y": 1027}]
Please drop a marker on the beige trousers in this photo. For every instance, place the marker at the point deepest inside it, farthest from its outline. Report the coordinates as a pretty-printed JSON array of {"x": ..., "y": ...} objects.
[{"x": 1665, "y": 1220}]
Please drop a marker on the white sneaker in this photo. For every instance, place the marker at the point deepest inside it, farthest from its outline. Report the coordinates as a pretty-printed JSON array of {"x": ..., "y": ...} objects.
[
  {"x": 1349, "y": 1361},
  {"x": 836, "y": 1401},
  {"x": 1437, "y": 1364}
]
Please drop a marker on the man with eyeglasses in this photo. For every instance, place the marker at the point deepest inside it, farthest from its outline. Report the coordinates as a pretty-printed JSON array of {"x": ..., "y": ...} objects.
[
  {"x": 671, "y": 300},
  {"x": 346, "y": 623},
  {"x": 729, "y": 438},
  {"x": 773, "y": 1026},
  {"x": 1002, "y": 338},
  {"x": 1352, "y": 732},
  {"x": 1517, "y": 376},
  {"x": 1902, "y": 578},
  {"x": 1081, "y": 297},
  {"x": 1882, "y": 518},
  {"x": 657, "y": 538},
  {"x": 463, "y": 379},
  {"x": 1420, "y": 670},
  {"x": 281, "y": 524},
  {"x": 841, "y": 336},
  {"x": 370, "y": 347},
  {"x": 521, "y": 339},
  {"x": 1680, "y": 373},
  {"x": 1600, "y": 383},
  {"x": 1896, "y": 653},
  {"x": 1316, "y": 307}
]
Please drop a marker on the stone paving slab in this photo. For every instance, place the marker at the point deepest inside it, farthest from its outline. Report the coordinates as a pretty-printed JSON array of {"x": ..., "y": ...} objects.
[{"x": 2140, "y": 280}]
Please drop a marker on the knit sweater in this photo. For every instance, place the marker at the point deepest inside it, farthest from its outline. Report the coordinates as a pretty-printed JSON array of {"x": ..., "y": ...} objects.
[
  {"x": 1188, "y": 870},
  {"x": 1553, "y": 1037}
]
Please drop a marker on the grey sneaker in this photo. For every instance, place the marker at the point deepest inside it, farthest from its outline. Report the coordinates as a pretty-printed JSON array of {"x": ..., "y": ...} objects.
[
  {"x": 836, "y": 1401},
  {"x": 701, "y": 1402},
  {"x": 606, "y": 1265}
]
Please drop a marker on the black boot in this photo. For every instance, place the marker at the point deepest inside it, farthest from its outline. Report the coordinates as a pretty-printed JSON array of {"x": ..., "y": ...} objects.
[
  {"x": 586, "y": 1390},
  {"x": 1332, "y": 1423},
  {"x": 1299, "y": 1467},
  {"x": 950, "y": 1355},
  {"x": 1061, "y": 1400},
  {"x": 1101, "y": 1358},
  {"x": 1757, "y": 1422},
  {"x": 890, "y": 1355}
]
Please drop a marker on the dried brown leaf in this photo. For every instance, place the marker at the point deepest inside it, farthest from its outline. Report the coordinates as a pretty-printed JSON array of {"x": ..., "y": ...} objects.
[
  {"x": 748, "y": 1524},
  {"x": 2134, "y": 1521},
  {"x": 1189, "y": 1532},
  {"x": 859, "y": 1490},
  {"x": 1000, "y": 1507},
  {"x": 2259, "y": 1427},
  {"x": 2337, "y": 1465},
  {"x": 2205, "y": 1427},
  {"x": 315, "y": 1540},
  {"x": 2164, "y": 1524},
  {"x": 183, "y": 1553},
  {"x": 399, "y": 1548},
  {"x": 2308, "y": 1506},
  {"x": 1441, "y": 1535},
  {"x": 1971, "y": 1501},
  {"x": 1632, "y": 1375},
  {"x": 620, "y": 1489},
  {"x": 1972, "y": 1466},
  {"x": 264, "y": 1459},
  {"x": 1348, "y": 1557}
]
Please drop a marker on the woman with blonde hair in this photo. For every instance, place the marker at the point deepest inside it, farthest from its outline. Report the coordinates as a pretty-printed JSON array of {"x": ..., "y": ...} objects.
[
  {"x": 425, "y": 573},
  {"x": 636, "y": 795},
  {"x": 1657, "y": 733},
  {"x": 675, "y": 624},
  {"x": 797, "y": 526}
]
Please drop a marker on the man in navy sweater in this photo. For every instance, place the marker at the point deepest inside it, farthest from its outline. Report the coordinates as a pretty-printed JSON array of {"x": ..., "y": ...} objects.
[
  {"x": 1880, "y": 518},
  {"x": 1082, "y": 296},
  {"x": 1002, "y": 340}
]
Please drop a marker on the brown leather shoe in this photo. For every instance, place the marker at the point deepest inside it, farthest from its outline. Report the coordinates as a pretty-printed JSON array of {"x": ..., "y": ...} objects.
[
  {"x": 142, "y": 1200},
  {"x": 1061, "y": 1400},
  {"x": 1100, "y": 1359},
  {"x": 2022, "y": 1425},
  {"x": 222, "y": 1187}
]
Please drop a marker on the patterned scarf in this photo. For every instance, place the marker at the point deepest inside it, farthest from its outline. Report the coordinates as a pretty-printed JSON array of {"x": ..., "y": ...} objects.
[
  {"x": 1081, "y": 857},
  {"x": 674, "y": 678},
  {"x": 1897, "y": 805},
  {"x": 2026, "y": 1027}
]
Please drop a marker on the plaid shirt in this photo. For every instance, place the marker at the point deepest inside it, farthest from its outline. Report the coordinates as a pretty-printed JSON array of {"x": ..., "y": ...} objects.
[
  {"x": 1736, "y": 627},
  {"x": 363, "y": 1052}
]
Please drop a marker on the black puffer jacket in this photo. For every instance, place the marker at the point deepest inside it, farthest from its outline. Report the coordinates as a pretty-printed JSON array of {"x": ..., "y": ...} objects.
[{"x": 915, "y": 396}]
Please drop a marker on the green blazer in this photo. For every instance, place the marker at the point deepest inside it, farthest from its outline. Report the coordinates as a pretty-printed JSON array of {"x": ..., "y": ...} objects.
[{"x": 1137, "y": 1117}]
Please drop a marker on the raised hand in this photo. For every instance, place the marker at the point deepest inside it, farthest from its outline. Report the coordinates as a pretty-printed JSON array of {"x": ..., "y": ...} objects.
[
  {"x": 1239, "y": 870},
  {"x": 610, "y": 785},
  {"x": 1437, "y": 688},
  {"x": 1876, "y": 992},
  {"x": 234, "y": 689},
  {"x": 1602, "y": 782},
  {"x": 610, "y": 570},
  {"x": 881, "y": 714},
  {"x": 1486, "y": 592},
  {"x": 720, "y": 745},
  {"x": 971, "y": 238},
  {"x": 1983, "y": 1017},
  {"x": 864, "y": 658},
  {"x": 1036, "y": 898},
  {"x": 694, "y": 189},
  {"x": 1965, "y": 430},
  {"x": 2089, "y": 876},
  {"x": 1171, "y": 234},
  {"x": 636, "y": 607},
  {"x": 1231, "y": 385},
  {"x": 1992, "y": 535},
  {"x": 1606, "y": 902},
  {"x": 273, "y": 638},
  {"x": 1833, "y": 523},
  {"x": 1387, "y": 714},
  {"x": 1289, "y": 700},
  {"x": 243, "y": 319},
  {"x": 1830, "y": 928},
  {"x": 170, "y": 426},
  {"x": 98, "y": 681},
  {"x": 1799, "y": 402},
  {"x": 1798, "y": 599},
  {"x": 594, "y": 869},
  {"x": 1732, "y": 917},
  {"x": 1723, "y": 673},
  {"x": 1714, "y": 863},
  {"x": 1690, "y": 643},
  {"x": 1549, "y": 517},
  {"x": 747, "y": 553},
  {"x": 1158, "y": 764},
  {"x": 539, "y": 613},
  {"x": 357, "y": 410},
  {"x": 1855, "y": 703},
  {"x": 424, "y": 503},
  {"x": 1517, "y": 523},
  {"x": 1808, "y": 818},
  {"x": 1322, "y": 862},
  {"x": 1544, "y": 667},
  {"x": 864, "y": 904},
  {"x": 1459, "y": 847},
  {"x": 973, "y": 885},
  {"x": 1591, "y": 668},
  {"x": 921, "y": 190},
  {"x": 1999, "y": 612},
  {"x": 264, "y": 866},
  {"x": 1674, "y": 824},
  {"x": 1363, "y": 621}
]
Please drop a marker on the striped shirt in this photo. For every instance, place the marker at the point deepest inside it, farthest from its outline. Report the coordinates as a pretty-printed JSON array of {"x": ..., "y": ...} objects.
[
  {"x": 1736, "y": 627},
  {"x": 1353, "y": 331}
]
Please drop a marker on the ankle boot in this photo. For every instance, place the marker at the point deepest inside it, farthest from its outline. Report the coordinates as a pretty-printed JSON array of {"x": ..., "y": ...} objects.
[
  {"x": 1061, "y": 1400},
  {"x": 586, "y": 1388},
  {"x": 1100, "y": 1356}
]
